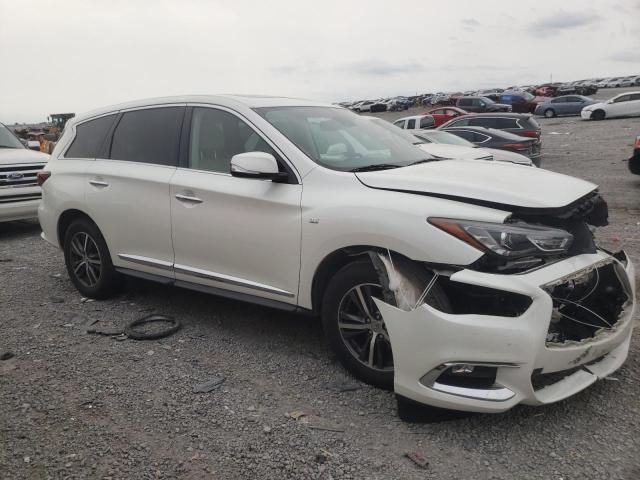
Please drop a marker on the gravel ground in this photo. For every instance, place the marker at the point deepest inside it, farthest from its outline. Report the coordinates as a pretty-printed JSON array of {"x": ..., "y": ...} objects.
[{"x": 75, "y": 405}]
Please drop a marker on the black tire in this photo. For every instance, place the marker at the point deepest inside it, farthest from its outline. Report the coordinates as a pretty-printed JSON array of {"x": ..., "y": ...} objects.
[
  {"x": 94, "y": 277},
  {"x": 549, "y": 113},
  {"x": 598, "y": 115},
  {"x": 352, "y": 275}
]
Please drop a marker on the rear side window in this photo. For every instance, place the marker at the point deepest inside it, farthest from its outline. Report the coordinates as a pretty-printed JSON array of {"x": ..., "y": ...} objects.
[
  {"x": 411, "y": 124},
  {"x": 466, "y": 134},
  {"x": 148, "y": 136},
  {"x": 90, "y": 138},
  {"x": 426, "y": 122},
  {"x": 463, "y": 122},
  {"x": 499, "y": 123},
  {"x": 635, "y": 96}
]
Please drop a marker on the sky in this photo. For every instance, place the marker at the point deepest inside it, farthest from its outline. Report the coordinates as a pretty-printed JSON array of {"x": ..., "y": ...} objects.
[{"x": 78, "y": 55}]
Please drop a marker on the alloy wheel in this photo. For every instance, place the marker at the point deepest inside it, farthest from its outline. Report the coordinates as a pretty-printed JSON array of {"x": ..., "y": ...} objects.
[
  {"x": 362, "y": 328},
  {"x": 85, "y": 259}
]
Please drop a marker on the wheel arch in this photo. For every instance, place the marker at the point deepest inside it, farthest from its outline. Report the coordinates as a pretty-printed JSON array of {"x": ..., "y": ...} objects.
[
  {"x": 332, "y": 263},
  {"x": 66, "y": 218}
]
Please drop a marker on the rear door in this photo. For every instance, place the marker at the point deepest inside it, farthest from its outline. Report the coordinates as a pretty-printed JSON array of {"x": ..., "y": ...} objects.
[
  {"x": 237, "y": 234},
  {"x": 128, "y": 191},
  {"x": 619, "y": 107}
]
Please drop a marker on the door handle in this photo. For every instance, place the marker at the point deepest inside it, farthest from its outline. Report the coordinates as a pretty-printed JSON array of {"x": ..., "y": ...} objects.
[
  {"x": 188, "y": 198},
  {"x": 98, "y": 183}
]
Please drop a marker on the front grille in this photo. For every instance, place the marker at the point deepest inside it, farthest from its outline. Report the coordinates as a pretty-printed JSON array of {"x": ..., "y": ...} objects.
[
  {"x": 16, "y": 176},
  {"x": 19, "y": 198},
  {"x": 586, "y": 304}
]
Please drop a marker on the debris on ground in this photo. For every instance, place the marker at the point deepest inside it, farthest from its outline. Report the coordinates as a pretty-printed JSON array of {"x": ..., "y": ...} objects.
[
  {"x": 173, "y": 325},
  {"x": 417, "y": 458},
  {"x": 6, "y": 356},
  {"x": 107, "y": 331},
  {"x": 297, "y": 415},
  {"x": 209, "y": 385}
]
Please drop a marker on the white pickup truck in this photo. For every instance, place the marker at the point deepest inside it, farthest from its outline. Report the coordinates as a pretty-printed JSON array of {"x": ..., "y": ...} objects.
[{"x": 19, "y": 167}]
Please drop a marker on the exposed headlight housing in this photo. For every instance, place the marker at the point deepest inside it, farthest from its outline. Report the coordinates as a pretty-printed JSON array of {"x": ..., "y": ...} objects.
[{"x": 509, "y": 241}]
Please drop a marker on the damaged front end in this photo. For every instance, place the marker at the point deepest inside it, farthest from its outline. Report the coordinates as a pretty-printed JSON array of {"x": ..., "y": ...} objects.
[{"x": 501, "y": 337}]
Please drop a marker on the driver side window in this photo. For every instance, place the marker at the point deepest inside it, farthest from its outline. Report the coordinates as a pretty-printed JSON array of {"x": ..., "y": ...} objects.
[
  {"x": 624, "y": 98},
  {"x": 216, "y": 136}
]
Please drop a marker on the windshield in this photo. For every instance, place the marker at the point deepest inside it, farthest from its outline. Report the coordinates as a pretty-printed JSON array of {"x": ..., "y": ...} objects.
[
  {"x": 8, "y": 139},
  {"x": 395, "y": 130},
  {"x": 444, "y": 137},
  {"x": 341, "y": 140}
]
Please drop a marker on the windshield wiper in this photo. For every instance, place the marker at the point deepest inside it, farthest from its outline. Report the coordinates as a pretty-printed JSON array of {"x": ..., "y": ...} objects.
[
  {"x": 426, "y": 160},
  {"x": 372, "y": 168}
]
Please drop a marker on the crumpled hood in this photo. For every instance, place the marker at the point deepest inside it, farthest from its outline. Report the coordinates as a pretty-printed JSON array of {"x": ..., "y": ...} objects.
[
  {"x": 12, "y": 156},
  {"x": 494, "y": 182}
]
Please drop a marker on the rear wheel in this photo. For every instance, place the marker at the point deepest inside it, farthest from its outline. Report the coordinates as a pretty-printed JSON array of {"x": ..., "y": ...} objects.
[
  {"x": 549, "y": 113},
  {"x": 88, "y": 260},
  {"x": 598, "y": 115},
  {"x": 354, "y": 327}
]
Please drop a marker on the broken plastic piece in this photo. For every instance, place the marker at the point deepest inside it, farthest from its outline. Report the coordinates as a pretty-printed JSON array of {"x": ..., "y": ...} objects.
[{"x": 209, "y": 385}]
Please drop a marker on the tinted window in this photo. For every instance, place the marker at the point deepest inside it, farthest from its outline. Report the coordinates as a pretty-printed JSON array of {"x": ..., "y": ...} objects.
[
  {"x": 635, "y": 96},
  {"x": 479, "y": 137},
  {"x": 559, "y": 100},
  {"x": 90, "y": 138},
  {"x": 148, "y": 136},
  {"x": 216, "y": 136},
  {"x": 463, "y": 122},
  {"x": 467, "y": 135},
  {"x": 499, "y": 123},
  {"x": 464, "y": 102},
  {"x": 411, "y": 124},
  {"x": 426, "y": 122},
  {"x": 624, "y": 98}
]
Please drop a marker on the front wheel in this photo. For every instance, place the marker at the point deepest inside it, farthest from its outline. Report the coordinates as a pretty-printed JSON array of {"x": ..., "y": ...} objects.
[
  {"x": 354, "y": 327},
  {"x": 598, "y": 115},
  {"x": 88, "y": 260}
]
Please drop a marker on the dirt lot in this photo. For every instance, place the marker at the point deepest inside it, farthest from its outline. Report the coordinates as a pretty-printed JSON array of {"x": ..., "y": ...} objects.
[{"x": 75, "y": 405}]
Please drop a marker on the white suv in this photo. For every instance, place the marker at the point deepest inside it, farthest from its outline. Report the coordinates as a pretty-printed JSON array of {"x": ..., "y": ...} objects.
[{"x": 461, "y": 284}]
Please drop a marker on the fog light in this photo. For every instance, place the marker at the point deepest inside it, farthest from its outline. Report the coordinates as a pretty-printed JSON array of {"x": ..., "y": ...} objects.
[{"x": 462, "y": 369}]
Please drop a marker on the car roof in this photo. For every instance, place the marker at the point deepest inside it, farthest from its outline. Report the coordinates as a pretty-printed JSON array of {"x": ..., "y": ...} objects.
[
  {"x": 250, "y": 101},
  {"x": 498, "y": 114},
  {"x": 411, "y": 117},
  {"x": 491, "y": 131}
]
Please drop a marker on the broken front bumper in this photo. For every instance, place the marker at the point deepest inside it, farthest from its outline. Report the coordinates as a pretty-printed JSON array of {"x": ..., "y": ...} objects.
[{"x": 427, "y": 342}]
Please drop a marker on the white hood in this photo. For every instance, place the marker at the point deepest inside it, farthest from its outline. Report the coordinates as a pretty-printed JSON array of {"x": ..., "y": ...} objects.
[
  {"x": 13, "y": 156},
  {"x": 443, "y": 150},
  {"x": 495, "y": 182}
]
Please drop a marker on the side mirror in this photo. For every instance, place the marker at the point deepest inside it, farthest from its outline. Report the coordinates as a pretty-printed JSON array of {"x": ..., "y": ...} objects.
[{"x": 258, "y": 165}]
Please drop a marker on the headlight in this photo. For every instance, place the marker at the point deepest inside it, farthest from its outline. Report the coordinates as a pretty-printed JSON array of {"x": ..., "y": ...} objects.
[{"x": 507, "y": 240}]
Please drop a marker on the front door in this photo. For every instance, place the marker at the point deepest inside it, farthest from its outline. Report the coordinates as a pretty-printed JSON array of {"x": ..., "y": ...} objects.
[{"x": 237, "y": 234}]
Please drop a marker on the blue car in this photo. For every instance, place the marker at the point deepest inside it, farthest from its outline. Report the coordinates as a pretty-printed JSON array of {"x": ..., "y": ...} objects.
[{"x": 564, "y": 105}]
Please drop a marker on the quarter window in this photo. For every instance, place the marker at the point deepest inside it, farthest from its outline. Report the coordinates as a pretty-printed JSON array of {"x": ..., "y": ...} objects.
[
  {"x": 148, "y": 136},
  {"x": 90, "y": 137},
  {"x": 216, "y": 136}
]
